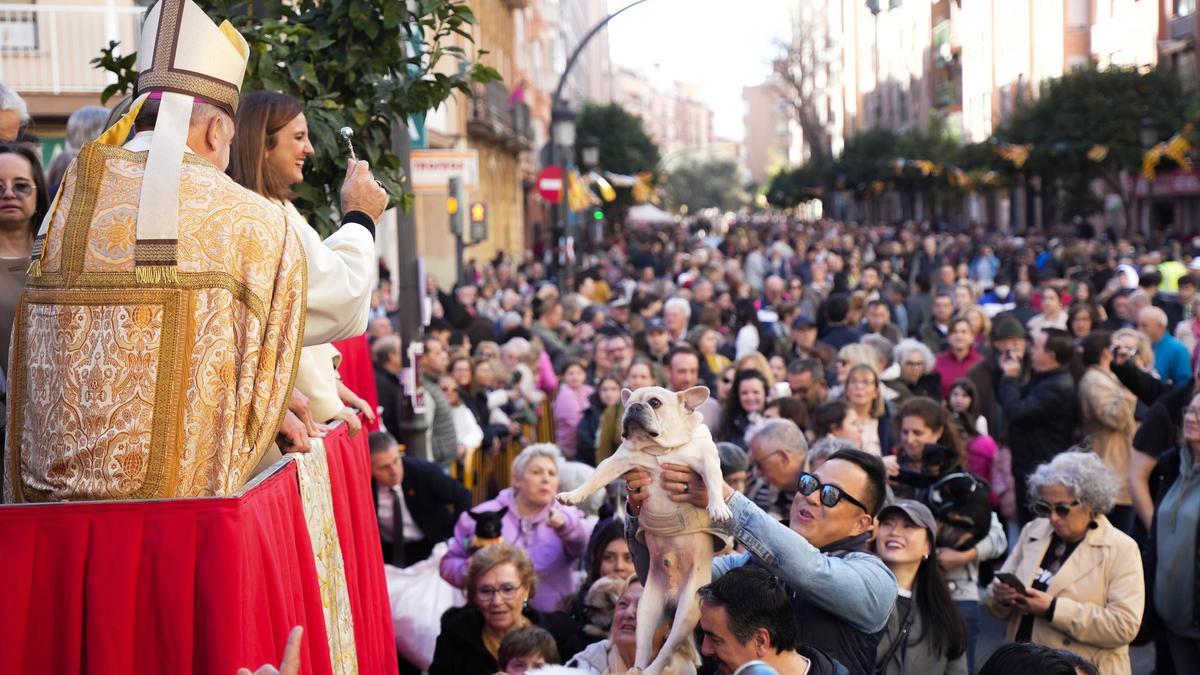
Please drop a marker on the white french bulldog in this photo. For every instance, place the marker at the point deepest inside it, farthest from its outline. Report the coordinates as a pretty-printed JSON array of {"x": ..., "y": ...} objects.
[{"x": 661, "y": 426}]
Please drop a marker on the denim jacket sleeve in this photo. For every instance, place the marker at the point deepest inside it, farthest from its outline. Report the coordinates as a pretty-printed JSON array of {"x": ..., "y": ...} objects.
[{"x": 858, "y": 587}]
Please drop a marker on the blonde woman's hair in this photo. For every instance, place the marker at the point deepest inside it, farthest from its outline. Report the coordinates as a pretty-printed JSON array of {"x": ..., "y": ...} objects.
[
  {"x": 1145, "y": 355},
  {"x": 756, "y": 361}
]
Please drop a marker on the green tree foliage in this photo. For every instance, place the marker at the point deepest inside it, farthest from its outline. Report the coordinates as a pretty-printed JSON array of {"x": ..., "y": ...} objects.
[
  {"x": 789, "y": 187},
  {"x": 1089, "y": 107},
  {"x": 704, "y": 184},
  {"x": 358, "y": 63},
  {"x": 624, "y": 146}
]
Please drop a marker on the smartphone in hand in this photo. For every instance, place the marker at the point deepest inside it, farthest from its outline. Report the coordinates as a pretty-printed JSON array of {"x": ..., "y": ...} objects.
[{"x": 1009, "y": 579}]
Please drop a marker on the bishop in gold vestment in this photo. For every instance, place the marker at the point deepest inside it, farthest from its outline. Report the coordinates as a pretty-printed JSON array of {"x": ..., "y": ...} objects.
[{"x": 154, "y": 350}]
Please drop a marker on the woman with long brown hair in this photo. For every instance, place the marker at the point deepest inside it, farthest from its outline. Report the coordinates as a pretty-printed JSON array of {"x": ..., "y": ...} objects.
[{"x": 270, "y": 150}]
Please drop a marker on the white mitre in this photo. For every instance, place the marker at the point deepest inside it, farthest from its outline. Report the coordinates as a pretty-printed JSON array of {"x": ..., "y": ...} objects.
[{"x": 183, "y": 58}]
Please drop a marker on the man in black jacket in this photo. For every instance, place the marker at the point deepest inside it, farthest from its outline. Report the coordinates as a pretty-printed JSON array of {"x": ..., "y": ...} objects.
[
  {"x": 416, "y": 503},
  {"x": 385, "y": 356},
  {"x": 1041, "y": 416}
]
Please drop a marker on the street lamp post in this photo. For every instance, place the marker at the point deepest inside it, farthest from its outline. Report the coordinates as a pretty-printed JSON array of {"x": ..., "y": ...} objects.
[
  {"x": 557, "y": 106},
  {"x": 1149, "y": 137},
  {"x": 562, "y": 131}
]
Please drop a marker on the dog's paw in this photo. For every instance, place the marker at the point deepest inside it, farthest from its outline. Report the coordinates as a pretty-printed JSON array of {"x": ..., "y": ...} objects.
[
  {"x": 719, "y": 512},
  {"x": 569, "y": 498}
]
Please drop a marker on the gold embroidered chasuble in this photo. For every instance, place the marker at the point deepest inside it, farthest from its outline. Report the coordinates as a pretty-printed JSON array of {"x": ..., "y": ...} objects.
[{"x": 134, "y": 386}]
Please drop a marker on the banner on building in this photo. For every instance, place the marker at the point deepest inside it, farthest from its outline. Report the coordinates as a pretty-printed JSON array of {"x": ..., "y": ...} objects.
[{"x": 433, "y": 169}]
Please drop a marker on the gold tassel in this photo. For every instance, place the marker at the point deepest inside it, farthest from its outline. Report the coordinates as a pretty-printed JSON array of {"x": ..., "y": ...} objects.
[
  {"x": 35, "y": 268},
  {"x": 156, "y": 275}
]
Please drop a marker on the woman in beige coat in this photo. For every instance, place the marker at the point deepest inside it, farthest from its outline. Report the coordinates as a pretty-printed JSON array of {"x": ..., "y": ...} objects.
[
  {"x": 1107, "y": 408},
  {"x": 1081, "y": 578}
]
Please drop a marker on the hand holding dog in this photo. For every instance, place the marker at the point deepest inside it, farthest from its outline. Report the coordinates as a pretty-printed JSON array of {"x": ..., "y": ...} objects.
[{"x": 683, "y": 485}]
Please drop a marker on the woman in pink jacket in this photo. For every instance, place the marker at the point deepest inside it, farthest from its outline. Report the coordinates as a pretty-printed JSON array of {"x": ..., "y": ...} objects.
[{"x": 573, "y": 400}]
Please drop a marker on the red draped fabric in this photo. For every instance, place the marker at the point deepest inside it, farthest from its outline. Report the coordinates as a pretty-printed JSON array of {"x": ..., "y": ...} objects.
[
  {"x": 358, "y": 533},
  {"x": 188, "y": 586},
  {"x": 358, "y": 374}
]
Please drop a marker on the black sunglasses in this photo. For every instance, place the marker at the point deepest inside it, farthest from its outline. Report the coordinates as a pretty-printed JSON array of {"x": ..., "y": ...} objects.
[
  {"x": 1061, "y": 510},
  {"x": 830, "y": 494}
]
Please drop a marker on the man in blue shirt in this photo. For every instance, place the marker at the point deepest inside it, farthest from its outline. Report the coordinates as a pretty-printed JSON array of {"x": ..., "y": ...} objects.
[
  {"x": 1171, "y": 358},
  {"x": 841, "y": 593}
]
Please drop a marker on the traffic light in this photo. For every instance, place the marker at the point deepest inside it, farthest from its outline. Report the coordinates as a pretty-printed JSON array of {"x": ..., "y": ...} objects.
[
  {"x": 454, "y": 206},
  {"x": 479, "y": 221},
  {"x": 597, "y": 214}
]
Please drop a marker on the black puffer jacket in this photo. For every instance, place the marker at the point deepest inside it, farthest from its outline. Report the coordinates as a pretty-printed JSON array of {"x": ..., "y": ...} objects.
[{"x": 1041, "y": 416}]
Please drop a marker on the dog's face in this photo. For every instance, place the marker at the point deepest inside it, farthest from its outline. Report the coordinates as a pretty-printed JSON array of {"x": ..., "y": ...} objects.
[
  {"x": 601, "y": 601},
  {"x": 655, "y": 416},
  {"x": 488, "y": 524}
]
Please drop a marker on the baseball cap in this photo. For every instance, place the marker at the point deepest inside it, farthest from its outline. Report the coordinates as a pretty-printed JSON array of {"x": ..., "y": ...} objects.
[
  {"x": 916, "y": 512},
  {"x": 618, "y": 302},
  {"x": 655, "y": 325}
]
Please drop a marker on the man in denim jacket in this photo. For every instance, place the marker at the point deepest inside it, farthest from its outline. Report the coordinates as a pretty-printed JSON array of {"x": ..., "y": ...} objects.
[{"x": 842, "y": 594}]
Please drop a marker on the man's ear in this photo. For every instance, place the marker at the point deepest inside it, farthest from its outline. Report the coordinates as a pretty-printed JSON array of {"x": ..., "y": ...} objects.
[
  {"x": 625, "y": 394},
  {"x": 761, "y": 641},
  {"x": 864, "y": 523},
  {"x": 693, "y": 397},
  {"x": 214, "y": 133}
]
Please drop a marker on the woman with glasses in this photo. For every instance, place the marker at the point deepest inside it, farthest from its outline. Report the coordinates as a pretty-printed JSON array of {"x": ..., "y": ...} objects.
[
  {"x": 1174, "y": 546},
  {"x": 499, "y": 582},
  {"x": 871, "y": 413},
  {"x": 1073, "y": 580},
  {"x": 916, "y": 371},
  {"x": 23, "y": 204}
]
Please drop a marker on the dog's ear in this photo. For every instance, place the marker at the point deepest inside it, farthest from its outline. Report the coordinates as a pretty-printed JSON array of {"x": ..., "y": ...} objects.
[
  {"x": 500, "y": 514},
  {"x": 625, "y": 394},
  {"x": 693, "y": 397},
  {"x": 474, "y": 516}
]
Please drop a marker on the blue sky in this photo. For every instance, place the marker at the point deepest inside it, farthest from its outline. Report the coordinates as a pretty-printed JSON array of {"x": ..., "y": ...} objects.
[{"x": 718, "y": 44}]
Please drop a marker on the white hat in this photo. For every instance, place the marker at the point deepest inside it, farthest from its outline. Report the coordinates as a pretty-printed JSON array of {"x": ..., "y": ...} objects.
[
  {"x": 183, "y": 57},
  {"x": 1131, "y": 272},
  {"x": 182, "y": 50},
  {"x": 1195, "y": 264}
]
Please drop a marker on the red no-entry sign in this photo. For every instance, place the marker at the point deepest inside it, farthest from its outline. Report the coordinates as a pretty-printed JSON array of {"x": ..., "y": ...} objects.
[{"x": 550, "y": 183}]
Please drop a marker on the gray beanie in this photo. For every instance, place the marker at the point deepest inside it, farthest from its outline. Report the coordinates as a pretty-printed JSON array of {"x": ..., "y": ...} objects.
[{"x": 733, "y": 458}]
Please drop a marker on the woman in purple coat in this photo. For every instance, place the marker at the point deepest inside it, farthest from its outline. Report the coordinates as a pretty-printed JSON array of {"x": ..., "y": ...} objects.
[{"x": 552, "y": 535}]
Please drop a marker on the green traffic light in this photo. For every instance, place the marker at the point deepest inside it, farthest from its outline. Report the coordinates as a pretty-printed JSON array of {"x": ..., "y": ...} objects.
[{"x": 597, "y": 215}]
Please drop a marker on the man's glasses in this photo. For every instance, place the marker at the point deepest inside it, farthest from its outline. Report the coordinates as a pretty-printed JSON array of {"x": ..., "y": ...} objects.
[
  {"x": 1061, "y": 510},
  {"x": 830, "y": 494},
  {"x": 505, "y": 591},
  {"x": 19, "y": 190}
]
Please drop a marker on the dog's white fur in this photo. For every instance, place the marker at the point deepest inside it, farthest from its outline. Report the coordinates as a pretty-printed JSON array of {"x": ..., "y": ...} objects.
[{"x": 659, "y": 427}]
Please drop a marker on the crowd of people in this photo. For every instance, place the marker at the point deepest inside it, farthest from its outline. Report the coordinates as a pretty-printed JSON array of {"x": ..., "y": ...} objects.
[{"x": 915, "y": 424}]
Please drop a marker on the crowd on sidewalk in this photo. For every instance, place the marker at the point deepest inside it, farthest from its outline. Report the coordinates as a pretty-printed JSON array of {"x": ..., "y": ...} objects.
[{"x": 916, "y": 425}]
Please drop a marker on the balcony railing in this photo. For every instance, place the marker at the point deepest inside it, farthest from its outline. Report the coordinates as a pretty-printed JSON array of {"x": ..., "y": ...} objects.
[
  {"x": 46, "y": 49},
  {"x": 497, "y": 117}
]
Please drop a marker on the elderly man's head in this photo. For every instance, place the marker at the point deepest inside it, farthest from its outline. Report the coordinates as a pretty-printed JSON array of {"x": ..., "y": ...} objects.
[
  {"x": 14, "y": 114},
  {"x": 676, "y": 314},
  {"x": 1152, "y": 322},
  {"x": 777, "y": 452}
]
